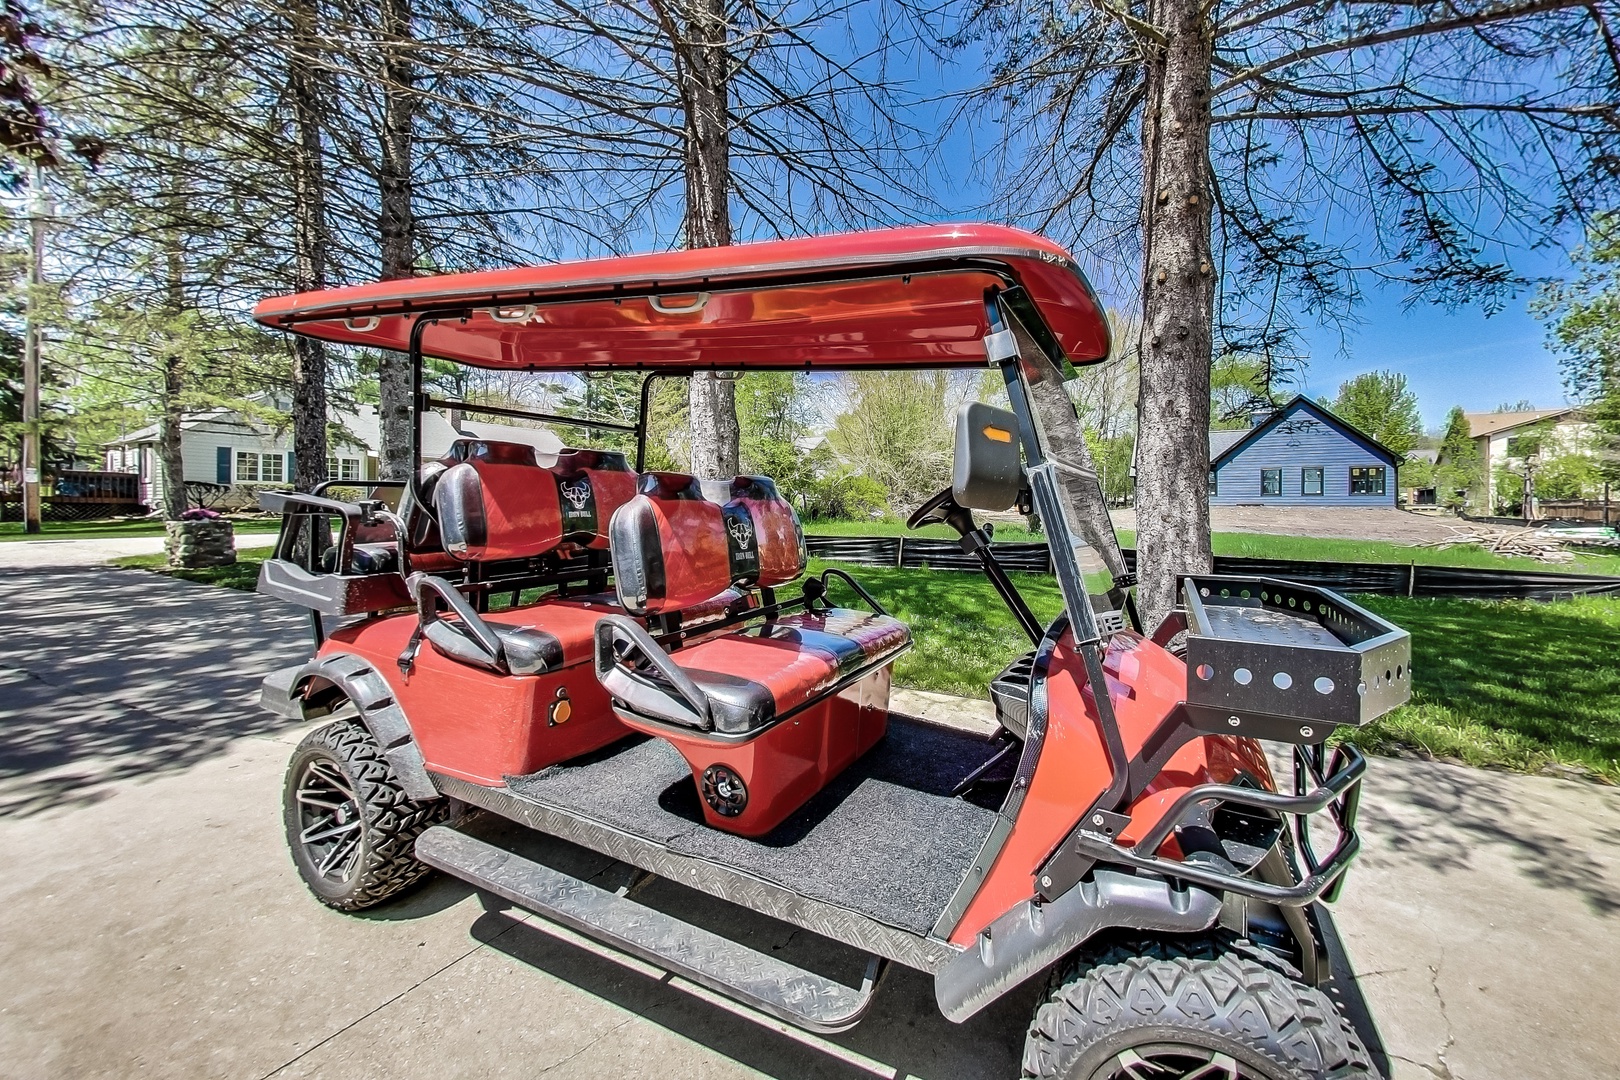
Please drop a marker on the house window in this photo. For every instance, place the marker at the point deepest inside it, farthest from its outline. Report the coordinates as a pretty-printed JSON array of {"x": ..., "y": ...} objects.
[
  {"x": 1271, "y": 481},
  {"x": 1214, "y": 484},
  {"x": 253, "y": 468},
  {"x": 1367, "y": 480},
  {"x": 1310, "y": 480},
  {"x": 342, "y": 468}
]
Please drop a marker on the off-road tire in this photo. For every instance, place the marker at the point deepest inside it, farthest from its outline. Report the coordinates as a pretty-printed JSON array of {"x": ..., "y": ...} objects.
[
  {"x": 1164, "y": 998},
  {"x": 389, "y": 821}
]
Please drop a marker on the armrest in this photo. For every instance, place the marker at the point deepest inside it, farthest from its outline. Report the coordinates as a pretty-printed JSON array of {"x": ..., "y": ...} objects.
[
  {"x": 293, "y": 502},
  {"x": 833, "y": 571},
  {"x": 1174, "y": 623},
  {"x": 473, "y": 641},
  {"x": 619, "y": 641}
]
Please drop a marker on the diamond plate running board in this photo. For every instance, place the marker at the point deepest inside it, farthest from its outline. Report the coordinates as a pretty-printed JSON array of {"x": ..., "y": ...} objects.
[{"x": 762, "y": 982}]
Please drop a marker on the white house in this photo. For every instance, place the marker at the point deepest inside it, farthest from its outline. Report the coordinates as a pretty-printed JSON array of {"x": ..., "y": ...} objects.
[
  {"x": 226, "y": 447},
  {"x": 1493, "y": 434}
]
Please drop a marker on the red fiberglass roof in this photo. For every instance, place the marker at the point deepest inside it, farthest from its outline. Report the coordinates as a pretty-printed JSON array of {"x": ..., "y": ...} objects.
[{"x": 891, "y": 297}]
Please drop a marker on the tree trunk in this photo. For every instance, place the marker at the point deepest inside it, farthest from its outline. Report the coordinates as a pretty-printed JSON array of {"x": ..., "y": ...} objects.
[
  {"x": 705, "y": 57},
  {"x": 309, "y": 244},
  {"x": 1178, "y": 309},
  {"x": 170, "y": 458},
  {"x": 396, "y": 226}
]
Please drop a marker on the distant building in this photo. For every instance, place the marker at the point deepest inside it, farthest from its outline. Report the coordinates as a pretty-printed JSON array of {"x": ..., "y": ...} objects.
[
  {"x": 245, "y": 452},
  {"x": 1301, "y": 455},
  {"x": 1421, "y": 496},
  {"x": 1494, "y": 433}
]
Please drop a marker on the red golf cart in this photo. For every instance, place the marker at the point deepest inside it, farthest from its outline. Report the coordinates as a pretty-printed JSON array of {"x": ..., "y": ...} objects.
[{"x": 637, "y": 662}]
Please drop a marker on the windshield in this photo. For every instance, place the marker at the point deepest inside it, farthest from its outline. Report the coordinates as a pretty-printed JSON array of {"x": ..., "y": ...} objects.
[{"x": 1093, "y": 580}]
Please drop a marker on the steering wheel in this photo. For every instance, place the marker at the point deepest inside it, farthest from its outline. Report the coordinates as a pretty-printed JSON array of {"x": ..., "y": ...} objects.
[{"x": 942, "y": 509}]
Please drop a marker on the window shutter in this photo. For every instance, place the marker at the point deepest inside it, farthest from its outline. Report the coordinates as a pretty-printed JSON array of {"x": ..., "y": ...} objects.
[
  {"x": 222, "y": 464},
  {"x": 290, "y": 467}
]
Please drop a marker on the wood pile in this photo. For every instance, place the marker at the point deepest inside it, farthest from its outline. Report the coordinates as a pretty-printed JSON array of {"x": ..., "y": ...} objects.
[{"x": 1517, "y": 543}]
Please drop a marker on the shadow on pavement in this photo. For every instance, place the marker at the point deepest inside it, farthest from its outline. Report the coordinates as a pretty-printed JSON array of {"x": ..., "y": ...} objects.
[
  {"x": 904, "y": 1032},
  {"x": 110, "y": 675},
  {"x": 1443, "y": 815}
]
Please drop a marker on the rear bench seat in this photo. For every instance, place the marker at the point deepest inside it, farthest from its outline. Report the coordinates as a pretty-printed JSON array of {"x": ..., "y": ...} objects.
[
  {"x": 765, "y": 715},
  {"x": 499, "y": 504}
]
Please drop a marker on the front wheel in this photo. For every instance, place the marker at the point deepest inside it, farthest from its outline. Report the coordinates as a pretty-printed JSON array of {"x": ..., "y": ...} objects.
[
  {"x": 350, "y": 825},
  {"x": 1202, "y": 1009}
]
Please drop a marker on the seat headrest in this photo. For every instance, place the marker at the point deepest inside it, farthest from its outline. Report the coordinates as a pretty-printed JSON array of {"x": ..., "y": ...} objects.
[
  {"x": 591, "y": 486},
  {"x": 766, "y": 537},
  {"x": 491, "y": 509},
  {"x": 570, "y": 457},
  {"x": 492, "y": 453},
  {"x": 673, "y": 548},
  {"x": 416, "y": 508},
  {"x": 668, "y": 546}
]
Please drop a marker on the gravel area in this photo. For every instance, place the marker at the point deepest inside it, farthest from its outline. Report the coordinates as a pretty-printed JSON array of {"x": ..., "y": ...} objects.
[{"x": 1345, "y": 522}]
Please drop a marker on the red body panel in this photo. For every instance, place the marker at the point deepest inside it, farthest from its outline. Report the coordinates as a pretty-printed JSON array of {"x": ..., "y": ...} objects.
[
  {"x": 482, "y": 727},
  {"x": 1144, "y": 684},
  {"x": 792, "y": 760},
  {"x": 884, "y": 297}
]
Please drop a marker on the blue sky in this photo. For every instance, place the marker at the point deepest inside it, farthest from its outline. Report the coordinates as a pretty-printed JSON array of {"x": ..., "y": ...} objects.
[{"x": 1449, "y": 357}]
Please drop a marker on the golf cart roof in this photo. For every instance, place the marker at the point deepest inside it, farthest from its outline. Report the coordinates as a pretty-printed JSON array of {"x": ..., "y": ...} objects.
[{"x": 884, "y": 298}]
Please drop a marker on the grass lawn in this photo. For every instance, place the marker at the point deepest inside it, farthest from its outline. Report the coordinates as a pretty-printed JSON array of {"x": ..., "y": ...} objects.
[
  {"x": 1515, "y": 684},
  {"x": 962, "y": 633},
  {"x": 109, "y": 530},
  {"x": 243, "y": 574},
  {"x": 1266, "y": 546},
  {"x": 1314, "y": 549}
]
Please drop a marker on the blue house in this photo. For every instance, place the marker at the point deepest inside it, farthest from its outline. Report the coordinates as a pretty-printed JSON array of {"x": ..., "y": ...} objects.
[{"x": 1300, "y": 455}]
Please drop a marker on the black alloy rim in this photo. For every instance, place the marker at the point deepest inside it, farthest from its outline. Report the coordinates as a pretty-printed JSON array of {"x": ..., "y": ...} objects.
[
  {"x": 1171, "y": 1062},
  {"x": 329, "y": 822}
]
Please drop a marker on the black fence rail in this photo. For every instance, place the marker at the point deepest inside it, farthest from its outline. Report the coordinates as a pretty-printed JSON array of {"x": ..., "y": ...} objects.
[{"x": 1385, "y": 579}]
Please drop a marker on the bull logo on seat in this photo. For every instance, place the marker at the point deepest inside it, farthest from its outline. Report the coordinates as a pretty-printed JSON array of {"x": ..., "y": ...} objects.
[
  {"x": 576, "y": 494},
  {"x": 741, "y": 531}
]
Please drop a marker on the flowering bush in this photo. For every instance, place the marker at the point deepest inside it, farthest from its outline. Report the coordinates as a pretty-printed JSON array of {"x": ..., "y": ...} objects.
[{"x": 199, "y": 513}]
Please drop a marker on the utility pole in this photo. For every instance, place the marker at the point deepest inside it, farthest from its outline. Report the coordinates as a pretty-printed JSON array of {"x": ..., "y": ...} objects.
[{"x": 37, "y": 211}]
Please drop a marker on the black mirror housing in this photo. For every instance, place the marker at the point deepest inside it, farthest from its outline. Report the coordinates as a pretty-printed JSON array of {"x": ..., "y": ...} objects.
[{"x": 987, "y": 473}]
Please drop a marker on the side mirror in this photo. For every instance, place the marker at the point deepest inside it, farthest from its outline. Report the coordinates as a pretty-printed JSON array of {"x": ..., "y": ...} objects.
[{"x": 987, "y": 474}]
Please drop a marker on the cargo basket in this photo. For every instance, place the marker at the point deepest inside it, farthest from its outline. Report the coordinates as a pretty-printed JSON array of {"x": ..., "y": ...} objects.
[{"x": 1278, "y": 660}]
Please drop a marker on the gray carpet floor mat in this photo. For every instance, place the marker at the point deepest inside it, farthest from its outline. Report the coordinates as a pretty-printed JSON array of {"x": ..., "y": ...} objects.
[{"x": 886, "y": 838}]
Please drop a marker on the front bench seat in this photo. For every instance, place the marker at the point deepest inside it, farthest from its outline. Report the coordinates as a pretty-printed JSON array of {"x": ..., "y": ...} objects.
[
  {"x": 743, "y": 682},
  {"x": 498, "y": 503},
  {"x": 725, "y": 702}
]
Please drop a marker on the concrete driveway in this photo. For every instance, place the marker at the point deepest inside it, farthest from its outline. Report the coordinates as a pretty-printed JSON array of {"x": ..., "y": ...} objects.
[
  {"x": 154, "y": 925},
  {"x": 42, "y": 554}
]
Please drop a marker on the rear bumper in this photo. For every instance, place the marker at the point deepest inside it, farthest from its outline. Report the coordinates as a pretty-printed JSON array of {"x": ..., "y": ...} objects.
[{"x": 276, "y": 693}]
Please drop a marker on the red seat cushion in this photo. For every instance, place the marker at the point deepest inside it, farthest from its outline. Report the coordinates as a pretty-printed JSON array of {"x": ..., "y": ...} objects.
[
  {"x": 753, "y": 676},
  {"x": 498, "y": 504},
  {"x": 767, "y": 542},
  {"x": 591, "y": 486},
  {"x": 669, "y": 546},
  {"x": 673, "y": 547}
]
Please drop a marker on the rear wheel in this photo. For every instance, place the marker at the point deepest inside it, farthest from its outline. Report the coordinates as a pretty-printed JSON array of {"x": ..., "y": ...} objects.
[
  {"x": 1211, "y": 1008},
  {"x": 350, "y": 825}
]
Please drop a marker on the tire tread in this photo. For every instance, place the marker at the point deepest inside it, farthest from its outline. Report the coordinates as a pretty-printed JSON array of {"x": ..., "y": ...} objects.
[
  {"x": 392, "y": 819},
  {"x": 1219, "y": 986}
]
